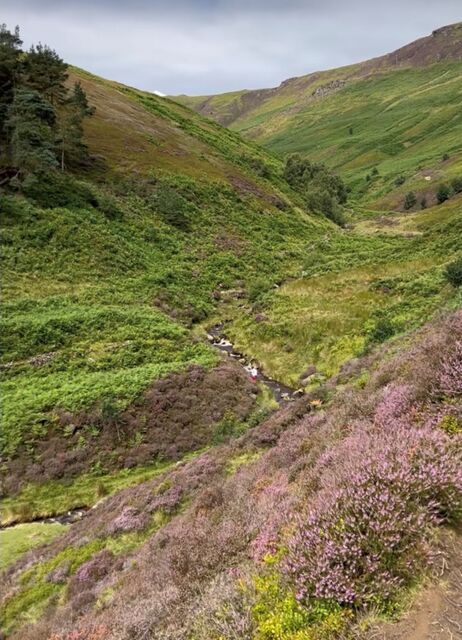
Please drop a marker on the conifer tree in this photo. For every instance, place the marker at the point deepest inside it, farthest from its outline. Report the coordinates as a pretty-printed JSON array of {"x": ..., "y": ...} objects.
[
  {"x": 10, "y": 51},
  {"x": 44, "y": 71},
  {"x": 30, "y": 122},
  {"x": 73, "y": 150}
]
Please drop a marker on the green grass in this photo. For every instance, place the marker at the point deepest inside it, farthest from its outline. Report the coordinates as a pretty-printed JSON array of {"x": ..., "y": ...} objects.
[
  {"x": 59, "y": 496},
  {"x": 400, "y": 121},
  {"x": 15, "y": 541},
  {"x": 335, "y": 310},
  {"x": 84, "y": 288}
]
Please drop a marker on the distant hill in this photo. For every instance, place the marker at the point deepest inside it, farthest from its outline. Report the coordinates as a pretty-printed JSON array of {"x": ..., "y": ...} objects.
[{"x": 399, "y": 113}]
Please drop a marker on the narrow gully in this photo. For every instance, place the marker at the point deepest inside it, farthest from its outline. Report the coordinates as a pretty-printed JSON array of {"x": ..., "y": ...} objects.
[{"x": 281, "y": 392}]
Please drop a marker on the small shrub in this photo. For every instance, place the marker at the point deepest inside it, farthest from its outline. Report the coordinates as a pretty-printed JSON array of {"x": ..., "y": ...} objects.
[
  {"x": 443, "y": 193},
  {"x": 96, "y": 568},
  {"x": 456, "y": 184},
  {"x": 400, "y": 180},
  {"x": 410, "y": 200},
  {"x": 451, "y": 425},
  {"x": 228, "y": 427},
  {"x": 453, "y": 272},
  {"x": 259, "y": 167},
  {"x": 172, "y": 207},
  {"x": 109, "y": 207},
  {"x": 382, "y": 329},
  {"x": 129, "y": 520},
  {"x": 258, "y": 289},
  {"x": 423, "y": 203}
]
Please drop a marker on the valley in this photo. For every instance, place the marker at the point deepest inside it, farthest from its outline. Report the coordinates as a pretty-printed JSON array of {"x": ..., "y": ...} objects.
[{"x": 246, "y": 389}]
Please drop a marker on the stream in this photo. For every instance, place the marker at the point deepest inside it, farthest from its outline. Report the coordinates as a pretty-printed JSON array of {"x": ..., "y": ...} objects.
[
  {"x": 68, "y": 517},
  {"x": 281, "y": 392}
]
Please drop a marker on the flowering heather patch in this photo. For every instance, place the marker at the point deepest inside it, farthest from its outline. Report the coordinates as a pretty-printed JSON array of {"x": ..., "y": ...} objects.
[
  {"x": 168, "y": 501},
  {"x": 98, "y": 632},
  {"x": 366, "y": 534},
  {"x": 450, "y": 375},
  {"x": 396, "y": 401},
  {"x": 96, "y": 568},
  {"x": 275, "y": 502},
  {"x": 129, "y": 520},
  {"x": 374, "y": 469}
]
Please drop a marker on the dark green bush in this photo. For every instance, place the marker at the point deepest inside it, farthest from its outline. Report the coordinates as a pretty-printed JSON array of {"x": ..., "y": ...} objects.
[
  {"x": 228, "y": 427},
  {"x": 410, "y": 200},
  {"x": 443, "y": 193},
  {"x": 381, "y": 331},
  {"x": 109, "y": 207},
  {"x": 172, "y": 207},
  {"x": 323, "y": 191},
  {"x": 259, "y": 167},
  {"x": 60, "y": 190},
  {"x": 453, "y": 272}
]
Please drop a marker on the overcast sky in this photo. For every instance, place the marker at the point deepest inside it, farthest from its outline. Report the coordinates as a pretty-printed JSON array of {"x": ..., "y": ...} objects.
[{"x": 211, "y": 46}]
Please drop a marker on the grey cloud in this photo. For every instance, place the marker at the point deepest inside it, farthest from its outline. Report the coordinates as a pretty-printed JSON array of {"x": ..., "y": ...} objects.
[{"x": 209, "y": 46}]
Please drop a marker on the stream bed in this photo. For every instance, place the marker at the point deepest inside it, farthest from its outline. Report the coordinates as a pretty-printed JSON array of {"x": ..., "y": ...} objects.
[{"x": 281, "y": 392}]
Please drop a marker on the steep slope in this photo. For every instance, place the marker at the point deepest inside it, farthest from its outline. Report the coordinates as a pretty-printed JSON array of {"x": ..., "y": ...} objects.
[
  {"x": 106, "y": 272},
  {"x": 399, "y": 114},
  {"x": 226, "y": 545}
]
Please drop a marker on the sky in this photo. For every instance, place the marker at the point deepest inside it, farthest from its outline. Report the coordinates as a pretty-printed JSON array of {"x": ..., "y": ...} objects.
[{"x": 200, "y": 47}]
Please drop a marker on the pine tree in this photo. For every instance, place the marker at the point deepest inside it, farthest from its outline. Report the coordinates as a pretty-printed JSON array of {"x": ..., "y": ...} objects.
[
  {"x": 73, "y": 150},
  {"x": 44, "y": 71},
  {"x": 30, "y": 122},
  {"x": 10, "y": 51}
]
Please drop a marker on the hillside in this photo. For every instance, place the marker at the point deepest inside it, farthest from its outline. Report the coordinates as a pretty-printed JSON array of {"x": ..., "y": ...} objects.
[
  {"x": 398, "y": 114},
  {"x": 104, "y": 275},
  {"x": 195, "y": 365}
]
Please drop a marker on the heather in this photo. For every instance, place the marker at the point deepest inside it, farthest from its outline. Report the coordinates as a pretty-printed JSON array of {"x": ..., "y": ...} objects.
[
  {"x": 333, "y": 509},
  {"x": 367, "y": 535}
]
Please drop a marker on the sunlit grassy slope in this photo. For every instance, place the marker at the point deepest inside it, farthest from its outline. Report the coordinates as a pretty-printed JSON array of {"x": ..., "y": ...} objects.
[
  {"x": 101, "y": 285},
  {"x": 388, "y": 278},
  {"x": 104, "y": 273},
  {"x": 399, "y": 114}
]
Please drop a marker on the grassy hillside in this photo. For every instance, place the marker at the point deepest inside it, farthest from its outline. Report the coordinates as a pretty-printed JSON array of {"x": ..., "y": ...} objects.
[
  {"x": 105, "y": 273},
  {"x": 387, "y": 279},
  {"x": 179, "y": 224},
  {"x": 399, "y": 115},
  {"x": 200, "y": 485}
]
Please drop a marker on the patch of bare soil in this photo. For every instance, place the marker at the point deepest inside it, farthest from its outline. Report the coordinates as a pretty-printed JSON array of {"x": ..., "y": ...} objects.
[
  {"x": 437, "y": 612},
  {"x": 246, "y": 188}
]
